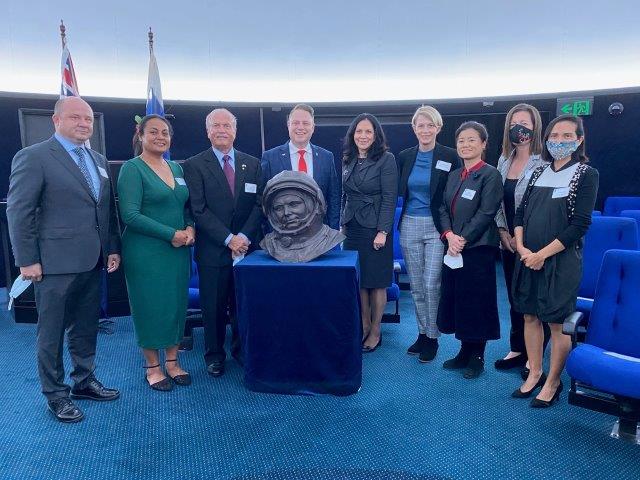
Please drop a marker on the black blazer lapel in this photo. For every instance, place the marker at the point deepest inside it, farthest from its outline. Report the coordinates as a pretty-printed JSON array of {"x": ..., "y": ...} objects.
[
  {"x": 214, "y": 167},
  {"x": 241, "y": 172},
  {"x": 438, "y": 177},
  {"x": 65, "y": 159},
  {"x": 348, "y": 169}
]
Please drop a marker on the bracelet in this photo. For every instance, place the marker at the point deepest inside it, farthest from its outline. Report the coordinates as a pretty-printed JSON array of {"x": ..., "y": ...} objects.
[{"x": 383, "y": 232}]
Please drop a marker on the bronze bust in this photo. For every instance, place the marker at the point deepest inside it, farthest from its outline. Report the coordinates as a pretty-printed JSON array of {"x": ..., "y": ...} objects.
[{"x": 295, "y": 207}]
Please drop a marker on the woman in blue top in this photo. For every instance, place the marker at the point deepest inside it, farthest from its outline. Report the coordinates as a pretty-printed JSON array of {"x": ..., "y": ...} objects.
[{"x": 424, "y": 170}]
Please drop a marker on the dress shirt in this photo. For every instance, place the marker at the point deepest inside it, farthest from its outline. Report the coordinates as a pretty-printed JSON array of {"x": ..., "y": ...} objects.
[{"x": 69, "y": 146}]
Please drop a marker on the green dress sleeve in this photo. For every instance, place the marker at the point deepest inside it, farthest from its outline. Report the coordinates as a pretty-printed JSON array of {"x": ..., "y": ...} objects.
[{"x": 130, "y": 188}]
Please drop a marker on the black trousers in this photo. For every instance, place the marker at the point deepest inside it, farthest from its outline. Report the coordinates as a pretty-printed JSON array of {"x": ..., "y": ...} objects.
[
  {"x": 516, "y": 337},
  {"x": 71, "y": 303},
  {"x": 217, "y": 300}
]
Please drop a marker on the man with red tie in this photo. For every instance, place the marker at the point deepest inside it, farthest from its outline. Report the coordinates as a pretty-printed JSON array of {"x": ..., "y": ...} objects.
[
  {"x": 298, "y": 154},
  {"x": 225, "y": 194}
]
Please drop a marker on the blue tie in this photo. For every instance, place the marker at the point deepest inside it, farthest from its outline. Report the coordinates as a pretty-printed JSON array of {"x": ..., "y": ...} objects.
[{"x": 82, "y": 164}]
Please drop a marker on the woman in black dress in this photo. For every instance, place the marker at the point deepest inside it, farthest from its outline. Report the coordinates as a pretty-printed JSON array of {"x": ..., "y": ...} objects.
[
  {"x": 550, "y": 225},
  {"x": 521, "y": 155},
  {"x": 369, "y": 195},
  {"x": 468, "y": 300}
]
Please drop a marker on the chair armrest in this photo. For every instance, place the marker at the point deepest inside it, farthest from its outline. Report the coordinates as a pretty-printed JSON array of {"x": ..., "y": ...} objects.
[{"x": 571, "y": 326}]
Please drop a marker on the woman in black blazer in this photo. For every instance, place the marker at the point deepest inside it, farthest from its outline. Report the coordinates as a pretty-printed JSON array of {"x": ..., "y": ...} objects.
[
  {"x": 423, "y": 171},
  {"x": 369, "y": 192},
  {"x": 468, "y": 304}
]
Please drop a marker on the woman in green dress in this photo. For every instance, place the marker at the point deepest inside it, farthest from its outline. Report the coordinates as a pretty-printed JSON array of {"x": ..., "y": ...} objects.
[{"x": 155, "y": 249}]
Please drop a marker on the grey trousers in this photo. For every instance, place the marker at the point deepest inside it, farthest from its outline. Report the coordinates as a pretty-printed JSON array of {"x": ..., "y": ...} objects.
[
  {"x": 423, "y": 252},
  {"x": 71, "y": 303}
]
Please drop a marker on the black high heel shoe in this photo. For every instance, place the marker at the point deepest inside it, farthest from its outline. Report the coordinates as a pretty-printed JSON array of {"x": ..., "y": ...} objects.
[
  {"x": 367, "y": 349},
  {"x": 182, "y": 380},
  {"x": 518, "y": 393},
  {"x": 537, "y": 403}
]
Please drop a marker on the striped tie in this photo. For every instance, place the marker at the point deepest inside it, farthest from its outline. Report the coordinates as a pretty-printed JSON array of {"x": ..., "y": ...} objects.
[{"x": 82, "y": 164}]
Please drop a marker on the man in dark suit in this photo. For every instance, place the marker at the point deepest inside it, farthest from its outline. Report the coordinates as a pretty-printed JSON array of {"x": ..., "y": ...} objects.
[
  {"x": 298, "y": 154},
  {"x": 225, "y": 188},
  {"x": 64, "y": 230}
]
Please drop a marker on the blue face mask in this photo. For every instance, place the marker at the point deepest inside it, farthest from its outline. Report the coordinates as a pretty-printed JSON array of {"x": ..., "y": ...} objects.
[{"x": 559, "y": 150}]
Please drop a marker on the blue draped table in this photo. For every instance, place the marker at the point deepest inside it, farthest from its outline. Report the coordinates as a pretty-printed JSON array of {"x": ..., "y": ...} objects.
[{"x": 299, "y": 324}]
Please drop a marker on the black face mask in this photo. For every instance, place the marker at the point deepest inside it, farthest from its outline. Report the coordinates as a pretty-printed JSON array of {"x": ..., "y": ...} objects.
[{"x": 520, "y": 134}]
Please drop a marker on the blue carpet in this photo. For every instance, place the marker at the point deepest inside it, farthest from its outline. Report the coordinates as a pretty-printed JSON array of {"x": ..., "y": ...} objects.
[{"x": 410, "y": 421}]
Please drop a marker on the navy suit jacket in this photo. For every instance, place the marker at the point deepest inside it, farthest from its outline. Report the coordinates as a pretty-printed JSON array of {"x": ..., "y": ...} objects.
[{"x": 278, "y": 159}]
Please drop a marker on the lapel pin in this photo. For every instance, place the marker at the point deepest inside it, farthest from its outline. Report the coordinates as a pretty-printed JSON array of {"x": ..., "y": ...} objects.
[{"x": 243, "y": 166}]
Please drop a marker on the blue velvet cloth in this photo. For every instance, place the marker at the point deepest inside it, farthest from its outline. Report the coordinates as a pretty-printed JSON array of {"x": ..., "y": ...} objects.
[
  {"x": 605, "y": 233},
  {"x": 609, "y": 360},
  {"x": 299, "y": 324},
  {"x": 614, "y": 205}
]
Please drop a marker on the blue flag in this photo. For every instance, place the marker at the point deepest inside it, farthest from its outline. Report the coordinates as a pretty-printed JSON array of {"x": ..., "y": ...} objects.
[{"x": 154, "y": 92}]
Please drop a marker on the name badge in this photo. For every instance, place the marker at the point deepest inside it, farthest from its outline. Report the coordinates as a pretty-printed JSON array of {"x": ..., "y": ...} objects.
[
  {"x": 180, "y": 181},
  {"x": 468, "y": 194},
  {"x": 560, "y": 192},
  {"x": 444, "y": 166},
  {"x": 102, "y": 171},
  {"x": 250, "y": 188}
]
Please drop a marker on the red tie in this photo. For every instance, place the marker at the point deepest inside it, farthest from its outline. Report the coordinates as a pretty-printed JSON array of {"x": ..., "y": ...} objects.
[{"x": 302, "y": 165}]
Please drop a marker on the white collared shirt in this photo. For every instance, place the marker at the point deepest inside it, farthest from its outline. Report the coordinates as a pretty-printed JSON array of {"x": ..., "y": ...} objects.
[{"x": 308, "y": 157}]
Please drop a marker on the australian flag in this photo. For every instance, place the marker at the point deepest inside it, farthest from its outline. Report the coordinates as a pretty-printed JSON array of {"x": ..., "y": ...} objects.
[
  {"x": 154, "y": 91},
  {"x": 69, "y": 84}
]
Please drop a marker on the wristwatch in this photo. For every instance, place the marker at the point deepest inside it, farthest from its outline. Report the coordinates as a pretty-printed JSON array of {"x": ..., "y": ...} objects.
[{"x": 383, "y": 232}]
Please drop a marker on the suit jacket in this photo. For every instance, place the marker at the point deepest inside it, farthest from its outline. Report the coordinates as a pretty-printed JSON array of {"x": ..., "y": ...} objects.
[
  {"x": 53, "y": 218},
  {"x": 473, "y": 218},
  {"x": 216, "y": 212},
  {"x": 278, "y": 159},
  {"x": 373, "y": 201},
  {"x": 439, "y": 176}
]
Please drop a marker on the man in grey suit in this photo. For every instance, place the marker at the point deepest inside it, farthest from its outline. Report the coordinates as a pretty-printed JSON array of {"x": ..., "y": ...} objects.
[{"x": 64, "y": 230}]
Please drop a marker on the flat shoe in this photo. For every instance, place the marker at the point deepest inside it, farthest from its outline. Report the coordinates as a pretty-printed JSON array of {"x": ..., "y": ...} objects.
[
  {"x": 163, "y": 385},
  {"x": 513, "y": 362},
  {"x": 182, "y": 380}
]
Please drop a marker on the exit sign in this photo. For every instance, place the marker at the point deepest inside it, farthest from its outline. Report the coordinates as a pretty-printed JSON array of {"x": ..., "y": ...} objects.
[{"x": 575, "y": 106}]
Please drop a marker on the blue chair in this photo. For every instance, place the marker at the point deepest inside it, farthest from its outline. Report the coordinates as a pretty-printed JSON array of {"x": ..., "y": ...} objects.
[
  {"x": 194, "y": 312},
  {"x": 399, "y": 202},
  {"x": 614, "y": 205},
  {"x": 596, "y": 213},
  {"x": 397, "y": 251},
  {"x": 605, "y": 370},
  {"x": 605, "y": 233},
  {"x": 635, "y": 214}
]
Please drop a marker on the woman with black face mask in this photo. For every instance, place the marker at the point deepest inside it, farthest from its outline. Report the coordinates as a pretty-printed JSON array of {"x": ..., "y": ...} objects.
[
  {"x": 550, "y": 224},
  {"x": 521, "y": 149}
]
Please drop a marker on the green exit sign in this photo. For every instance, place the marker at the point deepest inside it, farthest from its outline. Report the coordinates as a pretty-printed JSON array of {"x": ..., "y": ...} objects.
[{"x": 575, "y": 106}]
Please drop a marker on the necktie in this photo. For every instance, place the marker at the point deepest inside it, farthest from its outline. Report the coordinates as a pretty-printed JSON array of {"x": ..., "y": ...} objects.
[
  {"x": 229, "y": 173},
  {"x": 302, "y": 164},
  {"x": 82, "y": 164}
]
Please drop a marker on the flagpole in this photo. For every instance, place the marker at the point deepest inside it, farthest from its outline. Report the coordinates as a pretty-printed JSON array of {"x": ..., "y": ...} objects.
[
  {"x": 150, "y": 41},
  {"x": 63, "y": 34}
]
